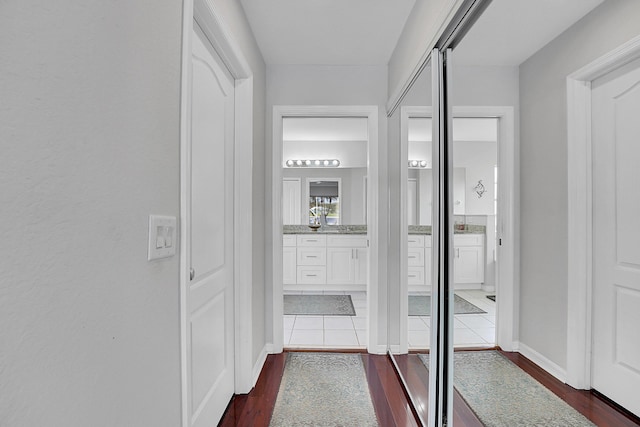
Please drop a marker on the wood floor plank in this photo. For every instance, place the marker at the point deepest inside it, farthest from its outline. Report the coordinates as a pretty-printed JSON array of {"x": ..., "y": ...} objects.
[
  {"x": 389, "y": 399},
  {"x": 256, "y": 408},
  {"x": 589, "y": 404}
]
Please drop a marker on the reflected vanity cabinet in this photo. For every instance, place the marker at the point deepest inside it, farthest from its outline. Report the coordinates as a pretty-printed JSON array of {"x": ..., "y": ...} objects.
[
  {"x": 324, "y": 262},
  {"x": 468, "y": 261}
]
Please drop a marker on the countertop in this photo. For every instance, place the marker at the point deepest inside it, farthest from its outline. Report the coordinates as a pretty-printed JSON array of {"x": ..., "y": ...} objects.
[
  {"x": 362, "y": 229},
  {"x": 328, "y": 229}
]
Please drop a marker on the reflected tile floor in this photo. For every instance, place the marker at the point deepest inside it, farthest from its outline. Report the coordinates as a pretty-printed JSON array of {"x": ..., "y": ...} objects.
[
  {"x": 469, "y": 330},
  {"x": 335, "y": 332}
]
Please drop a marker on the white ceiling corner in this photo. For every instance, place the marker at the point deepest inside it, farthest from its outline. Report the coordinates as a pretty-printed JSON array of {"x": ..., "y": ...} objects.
[{"x": 327, "y": 32}]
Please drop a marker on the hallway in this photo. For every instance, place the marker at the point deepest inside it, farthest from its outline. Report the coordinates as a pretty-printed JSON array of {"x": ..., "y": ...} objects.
[{"x": 390, "y": 401}]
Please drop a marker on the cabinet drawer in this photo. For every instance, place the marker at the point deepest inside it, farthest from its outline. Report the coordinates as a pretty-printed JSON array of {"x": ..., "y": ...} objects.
[
  {"x": 311, "y": 256},
  {"x": 468, "y": 240},
  {"x": 311, "y": 240},
  {"x": 415, "y": 257},
  {"x": 416, "y": 275},
  {"x": 347, "y": 241},
  {"x": 311, "y": 275},
  {"x": 289, "y": 240},
  {"x": 415, "y": 241}
]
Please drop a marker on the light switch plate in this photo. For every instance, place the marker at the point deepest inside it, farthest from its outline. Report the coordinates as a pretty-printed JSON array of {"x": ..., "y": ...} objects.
[{"x": 162, "y": 236}]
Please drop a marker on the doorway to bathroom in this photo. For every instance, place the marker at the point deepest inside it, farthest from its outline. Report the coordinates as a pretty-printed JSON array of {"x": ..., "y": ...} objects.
[{"x": 325, "y": 227}]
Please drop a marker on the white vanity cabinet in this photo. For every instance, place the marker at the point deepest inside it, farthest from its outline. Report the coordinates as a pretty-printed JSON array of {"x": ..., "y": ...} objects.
[
  {"x": 468, "y": 261},
  {"x": 318, "y": 262},
  {"x": 468, "y": 258},
  {"x": 289, "y": 259},
  {"x": 346, "y": 260},
  {"x": 419, "y": 262}
]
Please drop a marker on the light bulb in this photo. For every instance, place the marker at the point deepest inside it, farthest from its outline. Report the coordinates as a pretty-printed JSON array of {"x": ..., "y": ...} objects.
[
  {"x": 317, "y": 162},
  {"x": 414, "y": 163},
  {"x": 307, "y": 162},
  {"x": 289, "y": 163},
  {"x": 336, "y": 163},
  {"x": 299, "y": 162},
  {"x": 326, "y": 162},
  {"x": 423, "y": 163}
]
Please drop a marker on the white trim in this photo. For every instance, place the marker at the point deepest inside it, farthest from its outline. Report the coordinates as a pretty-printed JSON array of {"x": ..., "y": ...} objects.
[
  {"x": 204, "y": 12},
  {"x": 507, "y": 281},
  {"x": 371, "y": 113},
  {"x": 445, "y": 17},
  {"x": 541, "y": 361},
  {"x": 257, "y": 368},
  {"x": 580, "y": 206}
]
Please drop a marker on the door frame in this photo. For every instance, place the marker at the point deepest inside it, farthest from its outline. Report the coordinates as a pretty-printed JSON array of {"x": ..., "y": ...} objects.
[
  {"x": 580, "y": 207},
  {"x": 375, "y": 343},
  {"x": 217, "y": 33},
  {"x": 507, "y": 276}
]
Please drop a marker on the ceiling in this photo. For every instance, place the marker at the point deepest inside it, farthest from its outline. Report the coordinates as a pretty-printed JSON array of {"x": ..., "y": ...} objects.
[
  {"x": 510, "y": 31},
  {"x": 365, "y": 32},
  {"x": 327, "y": 32}
]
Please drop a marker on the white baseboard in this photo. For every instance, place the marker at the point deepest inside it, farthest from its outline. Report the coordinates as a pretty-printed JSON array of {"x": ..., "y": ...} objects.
[
  {"x": 542, "y": 361},
  {"x": 257, "y": 368},
  {"x": 395, "y": 349},
  {"x": 379, "y": 349},
  {"x": 269, "y": 348}
]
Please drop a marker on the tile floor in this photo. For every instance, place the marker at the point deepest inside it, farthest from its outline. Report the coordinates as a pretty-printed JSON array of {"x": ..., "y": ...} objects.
[
  {"x": 339, "y": 332},
  {"x": 343, "y": 332},
  {"x": 469, "y": 330}
]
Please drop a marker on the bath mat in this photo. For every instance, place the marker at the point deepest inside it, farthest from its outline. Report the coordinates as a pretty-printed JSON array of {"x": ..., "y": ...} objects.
[
  {"x": 503, "y": 395},
  {"x": 420, "y": 305},
  {"x": 319, "y": 305},
  {"x": 323, "y": 389}
]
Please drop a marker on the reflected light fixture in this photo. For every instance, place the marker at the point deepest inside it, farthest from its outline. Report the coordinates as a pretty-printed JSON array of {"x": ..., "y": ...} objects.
[
  {"x": 313, "y": 163},
  {"x": 417, "y": 164}
]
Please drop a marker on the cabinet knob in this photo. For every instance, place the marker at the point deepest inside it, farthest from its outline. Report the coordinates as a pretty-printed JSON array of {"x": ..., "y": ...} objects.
[{"x": 192, "y": 273}]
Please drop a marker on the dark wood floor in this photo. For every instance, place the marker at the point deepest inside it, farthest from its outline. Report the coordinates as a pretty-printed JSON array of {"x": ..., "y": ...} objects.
[{"x": 392, "y": 404}]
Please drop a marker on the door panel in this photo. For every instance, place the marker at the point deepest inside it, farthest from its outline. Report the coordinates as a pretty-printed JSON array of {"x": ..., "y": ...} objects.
[
  {"x": 291, "y": 201},
  {"x": 616, "y": 236},
  {"x": 210, "y": 339}
]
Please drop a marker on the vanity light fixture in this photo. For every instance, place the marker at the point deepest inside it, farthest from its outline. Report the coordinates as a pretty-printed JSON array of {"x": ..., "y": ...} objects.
[
  {"x": 417, "y": 164},
  {"x": 313, "y": 163}
]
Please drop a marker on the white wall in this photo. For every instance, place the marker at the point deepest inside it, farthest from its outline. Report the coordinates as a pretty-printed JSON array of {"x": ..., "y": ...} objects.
[
  {"x": 543, "y": 315},
  {"x": 352, "y": 190},
  {"x": 89, "y": 126},
  {"x": 330, "y": 85},
  {"x": 422, "y": 29},
  {"x": 236, "y": 20}
]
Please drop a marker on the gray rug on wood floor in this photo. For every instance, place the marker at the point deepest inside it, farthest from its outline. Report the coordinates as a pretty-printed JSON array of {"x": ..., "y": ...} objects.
[
  {"x": 420, "y": 305},
  {"x": 319, "y": 305},
  {"x": 323, "y": 389},
  {"x": 503, "y": 395}
]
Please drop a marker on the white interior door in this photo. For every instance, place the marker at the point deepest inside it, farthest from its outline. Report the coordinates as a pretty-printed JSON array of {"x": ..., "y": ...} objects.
[
  {"x": 291, "y": 202},
  {"x": 616, "y": 238},
  {"x": 210, "y": 328}
]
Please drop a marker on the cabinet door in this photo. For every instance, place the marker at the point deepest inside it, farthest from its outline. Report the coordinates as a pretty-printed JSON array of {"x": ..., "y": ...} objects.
[
  {"x": 427, "y": 266},
  {"x": 468, "y": 265},
  {"x": 340, "y": 266},
  {"x": 361, "y": 263},
  {"x": 289, "y": 265}
]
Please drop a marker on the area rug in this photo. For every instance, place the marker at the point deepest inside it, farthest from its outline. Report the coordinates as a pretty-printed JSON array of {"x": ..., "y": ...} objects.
[
  {"x": 323, "y": 389},
  {"x": 319, "y": 305},
  {"x": 420, "y": 305},
  {"x": 503, "y": 395}
]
